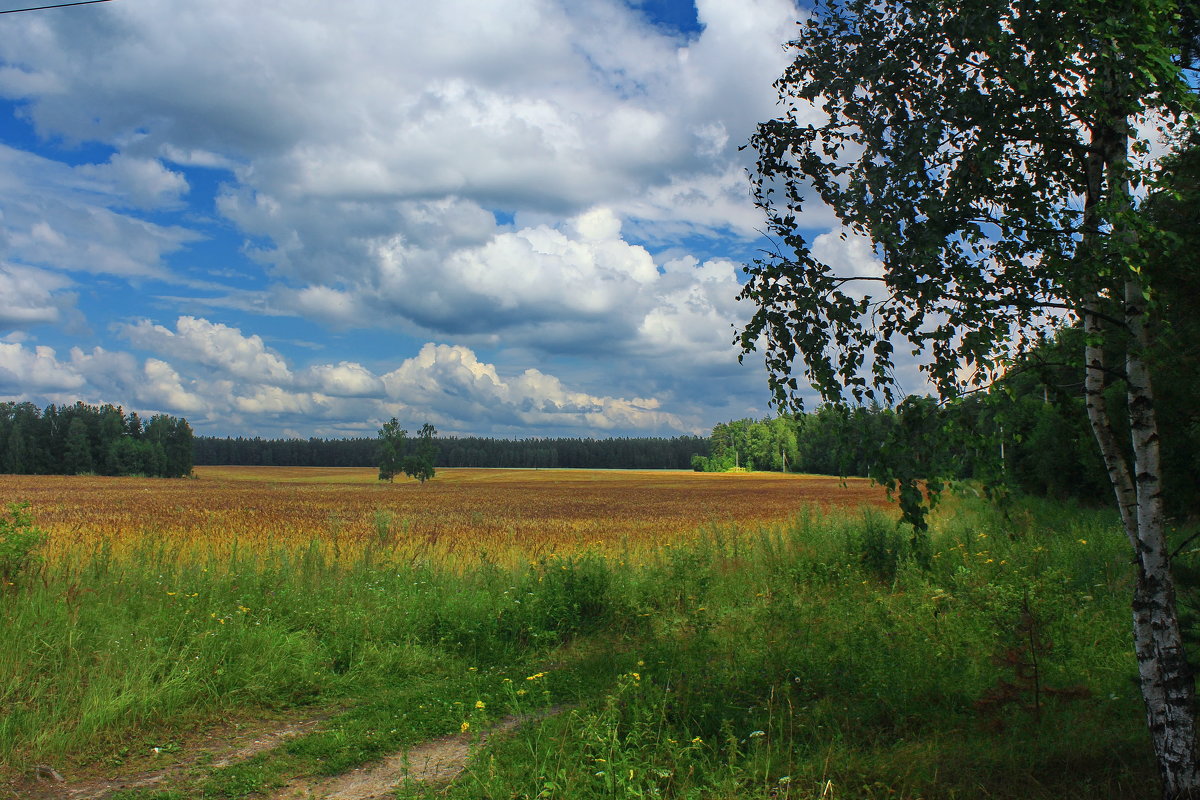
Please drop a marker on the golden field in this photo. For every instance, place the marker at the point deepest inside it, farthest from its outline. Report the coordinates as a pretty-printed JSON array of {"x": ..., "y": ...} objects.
[{"x": 461, "y": 511}]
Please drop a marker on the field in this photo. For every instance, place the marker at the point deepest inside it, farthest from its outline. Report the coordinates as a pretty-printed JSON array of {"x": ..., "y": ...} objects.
[
  {"x": 463, "y": 511},
  {"x": 672, "y": 635}
]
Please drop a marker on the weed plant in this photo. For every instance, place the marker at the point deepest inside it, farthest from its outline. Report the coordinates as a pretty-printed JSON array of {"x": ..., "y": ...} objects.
[{"x": 821, "y": 658}]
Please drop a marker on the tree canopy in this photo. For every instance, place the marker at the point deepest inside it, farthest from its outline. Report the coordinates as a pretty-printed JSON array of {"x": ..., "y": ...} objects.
[
  {"x": 957, "y": 139},
  {"x": 80, "y": 438},
  {"x": 992, "y": 155},
  {"x": 398, "y": 454},
  {"x": 392, "y": 444}
]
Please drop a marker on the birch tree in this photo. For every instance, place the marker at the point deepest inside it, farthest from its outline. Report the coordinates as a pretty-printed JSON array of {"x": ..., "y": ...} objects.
[{"x": 993, "y": 154}]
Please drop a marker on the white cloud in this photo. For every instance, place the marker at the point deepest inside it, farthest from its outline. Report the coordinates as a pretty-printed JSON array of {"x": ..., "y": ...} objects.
[
  {"x": 345, "y": 379},
  {"x": 272, "y": 401},
  {"x": 62, "y": 217},
  {"x": 695, "y": 314},
  {"x": 364, "y": 149},
  {"x": 144, "y": 181},
  {"x": 212, "y": 345},
  {"x": 35, "y": 371},
  {"x": 30, "y": 296},
  {"x": 99, "y": 376},
  {"x": 227, "y": 378},
  {"x": 578, "y": 287},
  {"x": 108, "y": 372},
  {"x": 332, "y": 306},
  {"x": 583, "y": 270},
  {"x": 454, "y": 386},
  {"x": 531, "y": 104},
  {"x": 163, "y": 388}
]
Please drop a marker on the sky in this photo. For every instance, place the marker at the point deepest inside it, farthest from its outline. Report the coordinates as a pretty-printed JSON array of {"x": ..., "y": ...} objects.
[{"x": 288, "y": 218}]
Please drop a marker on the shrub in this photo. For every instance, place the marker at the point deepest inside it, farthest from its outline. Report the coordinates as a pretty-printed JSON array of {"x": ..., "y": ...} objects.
[{"x": 19, "y": 541}]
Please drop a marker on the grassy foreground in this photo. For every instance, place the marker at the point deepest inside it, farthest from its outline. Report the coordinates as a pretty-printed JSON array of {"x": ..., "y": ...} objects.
[{"x": 813, "y": 659}]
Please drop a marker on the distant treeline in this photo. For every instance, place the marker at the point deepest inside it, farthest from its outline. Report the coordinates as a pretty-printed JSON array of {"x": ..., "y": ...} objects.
[
  {"x": 1033, "y": 443},
  {"x": 79, "y": 439},
  {"x": 468, "y": 451},
  {"x": 1029, "y": 432}
]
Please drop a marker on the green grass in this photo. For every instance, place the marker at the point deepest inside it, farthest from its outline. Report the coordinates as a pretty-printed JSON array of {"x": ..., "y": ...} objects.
[{"x": 816, "y": 659}]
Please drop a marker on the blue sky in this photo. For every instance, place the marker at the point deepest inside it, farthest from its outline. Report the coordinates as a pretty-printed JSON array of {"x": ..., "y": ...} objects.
[{"x": 282, "y": 218}]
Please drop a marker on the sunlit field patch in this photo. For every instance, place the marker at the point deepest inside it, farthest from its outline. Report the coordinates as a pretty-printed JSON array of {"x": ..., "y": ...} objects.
[{"x": 460, "y": 514}]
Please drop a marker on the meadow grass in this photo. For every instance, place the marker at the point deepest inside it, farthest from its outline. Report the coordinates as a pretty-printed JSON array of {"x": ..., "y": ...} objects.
[{"x": 825, "y": 657}]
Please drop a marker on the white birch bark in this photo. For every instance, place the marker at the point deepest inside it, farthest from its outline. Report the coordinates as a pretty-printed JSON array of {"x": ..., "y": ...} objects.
[
  {"x": 1165, "y": 676},
  {"x": 1166, "y": 681}
]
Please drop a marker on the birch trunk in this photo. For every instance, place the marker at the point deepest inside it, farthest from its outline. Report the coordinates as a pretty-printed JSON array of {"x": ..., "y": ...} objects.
[
  {"x": 1102, "y": 428},
  {"x": 1166, "y": 679}
]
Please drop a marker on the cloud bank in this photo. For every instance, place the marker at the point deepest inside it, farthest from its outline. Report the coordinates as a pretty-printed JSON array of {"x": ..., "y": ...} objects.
[{"x": 539, "y": 206}]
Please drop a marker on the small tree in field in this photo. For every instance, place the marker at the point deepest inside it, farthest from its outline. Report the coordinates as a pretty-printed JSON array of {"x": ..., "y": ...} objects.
[
  {"x": 420, "y": 465},
  {"x": 391, "y": 450},
  {"x": 992, "y": 153}
]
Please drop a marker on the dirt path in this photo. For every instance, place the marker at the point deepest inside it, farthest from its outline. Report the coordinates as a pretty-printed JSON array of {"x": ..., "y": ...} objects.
[
  {"x": 436, "y": 762},
  {"x": 218, "y": 747}
]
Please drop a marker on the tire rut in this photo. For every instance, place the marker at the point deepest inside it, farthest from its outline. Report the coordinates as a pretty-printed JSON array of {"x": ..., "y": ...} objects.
[{"x": 436, "y": 762}]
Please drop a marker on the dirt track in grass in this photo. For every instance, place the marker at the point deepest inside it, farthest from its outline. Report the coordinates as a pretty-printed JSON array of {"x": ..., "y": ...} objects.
[
  {"x": 434, "y": 763},
  {"x": 216, "y": 747}
]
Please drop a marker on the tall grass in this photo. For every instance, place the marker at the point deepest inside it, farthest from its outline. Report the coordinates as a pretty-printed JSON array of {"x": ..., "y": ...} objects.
[{"x": 813, "y": 659}]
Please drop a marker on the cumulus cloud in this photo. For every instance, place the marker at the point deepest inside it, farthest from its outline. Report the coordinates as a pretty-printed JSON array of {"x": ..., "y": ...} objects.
[
  {"x": 345, "y": 379},
  {"x": 31, "y": 297},
  {"x": 54, "y": 215},
  {"x": 35, "y": 370},
  {"x": 547, "y": 105},
  {"x": 453, "y": 382},
  {"x": 212, "y": 345},
  {"x": 145, "y": 182},
  {"x": 582, "y": 270},
  {"x": 218, "y": 376},
  {"x": 164, "y": 389},
  {"x": 578, "y": 287},
  {"x": 365, "y": 155},
  {"x": 98, "y": 376},
  {"x": 695, "y": 313}
]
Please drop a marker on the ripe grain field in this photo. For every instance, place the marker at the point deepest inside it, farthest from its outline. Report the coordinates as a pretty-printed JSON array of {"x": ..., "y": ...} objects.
[
  {"x": 703, "y": 635},
  {"x": 461, "y": 511}
]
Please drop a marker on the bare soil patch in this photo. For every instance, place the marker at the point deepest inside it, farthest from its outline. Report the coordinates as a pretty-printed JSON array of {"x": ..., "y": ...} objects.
[
  {"x": 216, "y": 747},
  {"x": 436, "y": 763}
]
